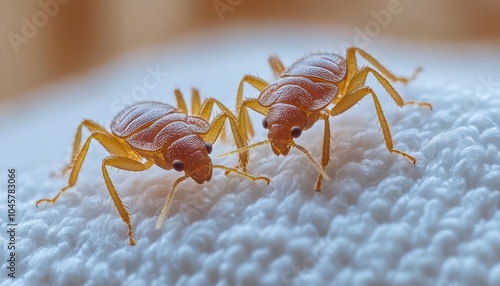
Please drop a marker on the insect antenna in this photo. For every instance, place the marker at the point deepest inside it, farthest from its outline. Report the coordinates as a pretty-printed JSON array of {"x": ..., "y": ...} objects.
[
  {"x": 243, "y": 174},
  {"x": 168, "y": 202},
  {"x": 320, "y": 170},
  {"x": 242, "y": 149}
]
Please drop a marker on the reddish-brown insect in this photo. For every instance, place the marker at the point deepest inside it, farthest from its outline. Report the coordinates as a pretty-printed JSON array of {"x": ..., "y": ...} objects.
[
  {"x": 302, "y": 94},
  {"x": 161, "y": 135}
]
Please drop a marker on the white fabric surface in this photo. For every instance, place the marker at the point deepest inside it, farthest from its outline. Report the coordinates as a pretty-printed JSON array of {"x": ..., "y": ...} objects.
[{"x": 379, "y": 220}]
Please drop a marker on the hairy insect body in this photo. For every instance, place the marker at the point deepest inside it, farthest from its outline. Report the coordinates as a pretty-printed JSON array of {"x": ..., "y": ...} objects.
[
  {"x": 154, "y": 133},
  {"x": 293, "y": 102},
  {"x": 298, "y": 97},
  {"x": 161, "y": 133},
  {"x": 302, "y": 95},
  {"x": 314, "y": 88}
]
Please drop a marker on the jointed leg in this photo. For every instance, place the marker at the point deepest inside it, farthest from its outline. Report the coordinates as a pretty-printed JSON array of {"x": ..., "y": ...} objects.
[
  {"x": 92, "y": 127},
  {"x": 124, "y": 164},
  {"x": 170, "y": 197},
  {"x": 206, "y": 111},
  {"x": 359, "y": 79},
  {"x": 242, "y": 129},
  {"x": 352, "y": 66},
  {"x": 218, "y": 125},
  {"x": 208, "y": 105},
  {"x": 355, "y": 96},
  {"x": 196, "y": 107},
  {"x": 107, "y": 141},
  {"x": 325, "y": 157},
  {"x": 243, "y": 123},
  {"x": 195, "y": 101},
  {"x": 243, "y": 174},
  {"x": 256, "y": 82},
  {"x": 216, "y": 128},
  {"x": 243, "y": 117},
  {"x": 276, "y": 65},
  {"x": 421, "y": 104},
  {"x": 181, "y": 103}
]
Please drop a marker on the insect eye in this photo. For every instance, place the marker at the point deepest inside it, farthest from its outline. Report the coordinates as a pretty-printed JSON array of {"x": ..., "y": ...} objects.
[
  {"x": 209, "y": 147},
  {"x": 178, "y": 165},
  {"x": 264, "y": 122},
  {"x": 296, "y": 132}
]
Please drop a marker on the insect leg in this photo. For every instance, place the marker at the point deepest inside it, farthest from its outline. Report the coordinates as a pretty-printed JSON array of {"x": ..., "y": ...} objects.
[
  {"x": 170, "y": 197},
  {"x": 124, "y": 164},
  {"x": 256, "y": 82},
  {"x": 352, "y": 66},
  {"x": 243, "y": 174},
  {"x": 195, "y": 101},
  {"x": 359, "y": 80},
  {"x": 243, "y": 123},
  {"x": 325, "y": 156},
  {"x": 216, "y": 127},
  {"x": 243, "y": 117},
  {"x": 207, "y": 107},
  {"x": 90, "y": 125},
  {"x": 206, "y": 111},
  {"x": 107, "y": 141},
  {"x": 355, "y": 96},
  {"x": 181, "y": 103},
  {"x": 276, "y": 65}
]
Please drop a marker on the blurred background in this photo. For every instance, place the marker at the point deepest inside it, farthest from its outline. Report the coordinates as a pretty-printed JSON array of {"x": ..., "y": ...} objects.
[{"x": 48, "y": 40}]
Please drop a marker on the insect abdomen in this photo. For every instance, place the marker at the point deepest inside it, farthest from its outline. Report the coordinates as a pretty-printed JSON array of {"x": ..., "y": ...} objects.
[
  {"x": 139, "y": 116},
  {"x": 319, "y": 67},
  {"x": 151, "y": 126},
  {"x": 300, "y": 92},
  {"x": 160, "y": 135}
]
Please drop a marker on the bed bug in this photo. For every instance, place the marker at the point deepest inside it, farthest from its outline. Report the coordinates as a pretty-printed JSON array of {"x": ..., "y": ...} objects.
[
  {"x": 301, "y": 96},
  {"x": 158, "y": 134}
]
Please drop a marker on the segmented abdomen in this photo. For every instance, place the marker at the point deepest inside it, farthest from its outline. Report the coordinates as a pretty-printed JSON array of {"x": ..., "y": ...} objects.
[
  {"x": 318, "y": 67},
  {"x": 300, "y": 92},
  {"x": 309, "y": 84},
  {"x": 151, "y": 126}
]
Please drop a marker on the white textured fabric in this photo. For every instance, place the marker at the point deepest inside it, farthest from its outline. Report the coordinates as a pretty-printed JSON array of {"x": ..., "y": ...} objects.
[{"x": 378, "y": 221}]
